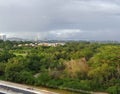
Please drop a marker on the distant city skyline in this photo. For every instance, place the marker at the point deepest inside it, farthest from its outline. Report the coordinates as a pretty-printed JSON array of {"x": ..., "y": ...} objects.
[{"x": 61, "y": 19}]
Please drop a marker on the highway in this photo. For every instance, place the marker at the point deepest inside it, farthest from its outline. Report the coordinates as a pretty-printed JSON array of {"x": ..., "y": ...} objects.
[{"x": 12, "y": 88}]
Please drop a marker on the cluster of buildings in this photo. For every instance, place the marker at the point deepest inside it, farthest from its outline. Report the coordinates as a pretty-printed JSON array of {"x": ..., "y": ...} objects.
[
  {"x": 3, "y": 37},
  {"x": 42, "y": 44}
]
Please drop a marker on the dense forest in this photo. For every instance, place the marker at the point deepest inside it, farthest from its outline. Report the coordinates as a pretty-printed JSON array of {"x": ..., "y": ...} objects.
[{"x": 73, "y": 66}]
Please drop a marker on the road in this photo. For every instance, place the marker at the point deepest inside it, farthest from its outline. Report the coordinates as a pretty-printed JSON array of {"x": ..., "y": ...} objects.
[{"x": 12, "y": 88}]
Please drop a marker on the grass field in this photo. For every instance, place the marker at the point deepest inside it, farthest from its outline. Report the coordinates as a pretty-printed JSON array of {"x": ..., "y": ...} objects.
[{"x": 20, "y": 54}]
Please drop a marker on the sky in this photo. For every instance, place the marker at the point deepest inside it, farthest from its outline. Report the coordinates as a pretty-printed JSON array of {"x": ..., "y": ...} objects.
[{"x": 61, "y": 19}]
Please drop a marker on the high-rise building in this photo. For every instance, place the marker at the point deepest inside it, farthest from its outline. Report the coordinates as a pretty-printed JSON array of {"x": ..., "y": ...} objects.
[{"x": 2, "y": 37}]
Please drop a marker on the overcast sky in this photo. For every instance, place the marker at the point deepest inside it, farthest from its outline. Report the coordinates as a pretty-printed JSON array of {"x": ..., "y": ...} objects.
[{"x": 61, "y": 19}]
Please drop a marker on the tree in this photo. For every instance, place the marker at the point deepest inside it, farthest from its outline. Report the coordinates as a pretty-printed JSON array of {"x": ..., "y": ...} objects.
[
  {"x": 2, "y": 68},
  {"x": 13, "y": 69}
]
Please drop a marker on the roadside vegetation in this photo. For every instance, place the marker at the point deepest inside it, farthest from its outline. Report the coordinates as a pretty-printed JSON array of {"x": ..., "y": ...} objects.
[{"x": 75, "y": 66}]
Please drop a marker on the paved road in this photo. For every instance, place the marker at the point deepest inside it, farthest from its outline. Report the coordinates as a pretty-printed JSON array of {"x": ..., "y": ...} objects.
[
  {"x": 14, "y": 90},
  {"x": 11, "y": 88}
]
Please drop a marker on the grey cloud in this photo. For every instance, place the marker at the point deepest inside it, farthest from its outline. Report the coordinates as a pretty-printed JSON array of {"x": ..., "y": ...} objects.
[{"x": 59, "y": 19}]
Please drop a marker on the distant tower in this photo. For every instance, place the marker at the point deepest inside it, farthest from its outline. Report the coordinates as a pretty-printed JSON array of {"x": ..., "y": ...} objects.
[
  {"x": 2, "y": 37},
  {"x": 37, "y": 38}
]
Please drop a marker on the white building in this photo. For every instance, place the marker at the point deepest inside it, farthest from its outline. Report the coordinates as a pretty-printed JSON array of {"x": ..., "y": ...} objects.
[{"x": 2, "y": 37}]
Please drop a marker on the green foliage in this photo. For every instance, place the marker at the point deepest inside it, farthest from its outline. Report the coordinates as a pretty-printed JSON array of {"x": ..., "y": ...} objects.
[
  {"x": 42, "y": 79},
  {"x": 5, "y": 55},
  {"x": 26, "y": 77},
  {"x": 12, "y": 71},
  {"x": 114, "y": 90},
  {"x": 76, "y": 65},
  {"x": 2, "y": 68}
]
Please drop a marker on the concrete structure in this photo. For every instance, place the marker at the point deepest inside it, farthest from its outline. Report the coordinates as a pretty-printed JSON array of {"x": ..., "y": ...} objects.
[
  {"x": 13, "y": 88},
  {"x": 41, "y": 44},
  {"x": 2, "y": 37}
]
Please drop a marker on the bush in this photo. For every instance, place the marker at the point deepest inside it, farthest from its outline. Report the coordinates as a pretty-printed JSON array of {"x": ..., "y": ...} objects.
[{"x": 114, "y": 90}]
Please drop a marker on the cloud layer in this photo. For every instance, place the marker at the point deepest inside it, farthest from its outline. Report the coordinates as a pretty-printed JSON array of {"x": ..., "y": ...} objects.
[{"x": 61, "y": 19}]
